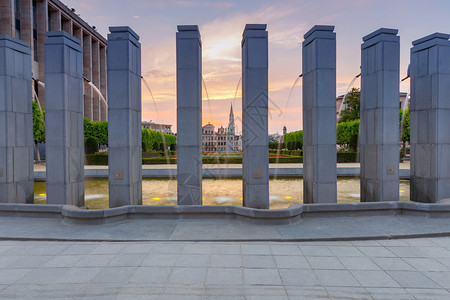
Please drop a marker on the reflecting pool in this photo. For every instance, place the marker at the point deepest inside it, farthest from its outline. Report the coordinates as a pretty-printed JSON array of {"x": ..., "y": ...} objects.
[{"x": 284, "y": 192}]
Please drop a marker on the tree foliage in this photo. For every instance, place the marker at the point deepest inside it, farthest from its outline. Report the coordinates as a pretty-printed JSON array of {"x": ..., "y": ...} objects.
[
  {"x": 91, "y": 145},
  {"x": 273, "y": 145},
  {"x": 347, "y": 134},
  {"x": 153, "y": 140},
  {"x": 405, "y": 127},
  {"x": 352, "y": 103},
  {"x": 293, "y": 140},
  {"x": 97, "y": 130},
  {"x": 38, "y": 124}
]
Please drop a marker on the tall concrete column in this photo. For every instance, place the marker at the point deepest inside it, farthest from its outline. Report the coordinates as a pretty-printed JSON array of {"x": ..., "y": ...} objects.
[
  {"x": 87, "y": 73},
  {"x": 26, "y": 22},
  {"x": 124, "y": 134},
  {"x": 189, "y": 115},
  {"x": 430, "y": 118},
  {"x": 379, "y": 134},
  {"x": 96, "y": 80},
  {"x": 68, "y": 26},
  {"x": 7, "y": 17},
  {"x": 16, "y": 122},
  {"x": 104, "y": 108},
  {"x": 255, "y": 149},
  {"x": 319, "y": 115},
  {"x": 42, "y": 28},
  {"x": 64, "y": 142},
  {"x": 55, "y": 20}
]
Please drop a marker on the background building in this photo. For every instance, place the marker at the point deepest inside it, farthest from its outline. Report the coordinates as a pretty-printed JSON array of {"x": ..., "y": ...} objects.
[
  {"x": 29, "y": 20},
  {"x": 223, "y": 139},
  {"x": 164, "y": 128},
  {"x": 340, "y": 99}
]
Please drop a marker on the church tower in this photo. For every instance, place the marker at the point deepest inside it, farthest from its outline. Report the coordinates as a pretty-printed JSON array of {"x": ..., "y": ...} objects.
[{"x": 231, "y": 127}]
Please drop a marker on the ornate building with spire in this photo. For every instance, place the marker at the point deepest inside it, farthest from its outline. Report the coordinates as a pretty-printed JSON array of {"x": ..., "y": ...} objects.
[{"x": 223, "y": 139}]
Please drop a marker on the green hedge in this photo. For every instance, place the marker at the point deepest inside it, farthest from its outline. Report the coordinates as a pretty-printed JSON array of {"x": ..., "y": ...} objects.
[
  {"x": 158, "y": 161},
  {"x": 345, "y": 157},
  {"x": 287, "y": 152},
  {"x": 96, "y": 159},
  {"x": 102, "y": 159}
]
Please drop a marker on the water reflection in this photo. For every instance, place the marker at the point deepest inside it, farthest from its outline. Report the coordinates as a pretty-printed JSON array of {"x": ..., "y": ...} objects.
[{"x": 284, "y": 192}]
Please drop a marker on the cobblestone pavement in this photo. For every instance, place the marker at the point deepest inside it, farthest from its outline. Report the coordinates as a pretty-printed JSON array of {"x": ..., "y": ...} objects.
[{"x": 384, "y": 269}]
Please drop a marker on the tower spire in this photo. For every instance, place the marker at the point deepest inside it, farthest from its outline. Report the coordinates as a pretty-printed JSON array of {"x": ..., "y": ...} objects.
[{"x": 231, "y": 126}]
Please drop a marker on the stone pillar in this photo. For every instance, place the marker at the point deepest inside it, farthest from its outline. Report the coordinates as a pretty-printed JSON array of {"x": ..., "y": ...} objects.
[
  {"x": 16, "y": 122},
  {"x": 87, "y": 73},
  {"x": 255, "y": 143},
  {"x": 379, "y": 134},
  {"x": 430, "y": 119},
  {"x": 104, "y": 108},
  {"x": 319, "y": 115},
  {"x": 96, "y": 80},
  {"x": 64, "y": 142},
  {"x": 7, "y": 17},
  {"x": 42, "y": 28},
  {"x": 189, "y": 115},
  {"x": 124, "y": 137}
]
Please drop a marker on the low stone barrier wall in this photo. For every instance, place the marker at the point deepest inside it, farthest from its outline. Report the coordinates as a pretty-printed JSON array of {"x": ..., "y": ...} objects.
[
  {"x": 221, "y": 173},
  {"x": 72, "y": 214}
]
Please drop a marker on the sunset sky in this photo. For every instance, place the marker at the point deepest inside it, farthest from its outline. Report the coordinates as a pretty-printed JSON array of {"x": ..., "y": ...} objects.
[{"x": 221, "y": 24}]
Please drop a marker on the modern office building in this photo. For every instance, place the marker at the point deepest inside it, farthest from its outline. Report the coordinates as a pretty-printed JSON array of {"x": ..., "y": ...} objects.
[{"x": 29, "y": 20}]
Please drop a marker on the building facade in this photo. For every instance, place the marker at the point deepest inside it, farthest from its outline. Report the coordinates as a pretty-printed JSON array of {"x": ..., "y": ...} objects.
[
  {"x": 340, "y": 100},
  {"x": 164, "y": 128},
  {"x": 225, "y": 139},
  {"x": 29, "y": 20}
]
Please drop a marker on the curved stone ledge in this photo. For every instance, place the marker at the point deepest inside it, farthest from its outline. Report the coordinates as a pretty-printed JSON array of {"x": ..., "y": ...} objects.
[
  {"x": 72, "y": 214},
  {"x": 222, "y": 173}
]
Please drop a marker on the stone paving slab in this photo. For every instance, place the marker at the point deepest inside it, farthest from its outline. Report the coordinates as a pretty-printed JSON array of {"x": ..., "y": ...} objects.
[{"x": 373, "y": 269}]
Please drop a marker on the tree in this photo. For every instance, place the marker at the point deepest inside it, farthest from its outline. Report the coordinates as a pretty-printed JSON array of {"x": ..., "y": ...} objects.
[
  {"x": 353, "y": 105},
  {"x": 38, "y": 127},
  {"x": 97, "y": 130},
  {"x": 295, "y": 138},
  {"x": 273, "y": 145},
  {"x": 347, "y": 134},
  {"x": 405, "y": 127},
  {"x": 91, "y": 145}
]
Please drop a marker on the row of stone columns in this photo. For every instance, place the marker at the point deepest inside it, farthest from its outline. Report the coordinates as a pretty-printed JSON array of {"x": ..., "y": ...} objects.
[{"x": 430, "y": 117}]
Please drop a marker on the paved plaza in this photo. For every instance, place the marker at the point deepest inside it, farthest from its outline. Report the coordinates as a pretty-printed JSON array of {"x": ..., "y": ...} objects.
[{"x": 373, "y": 269}]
